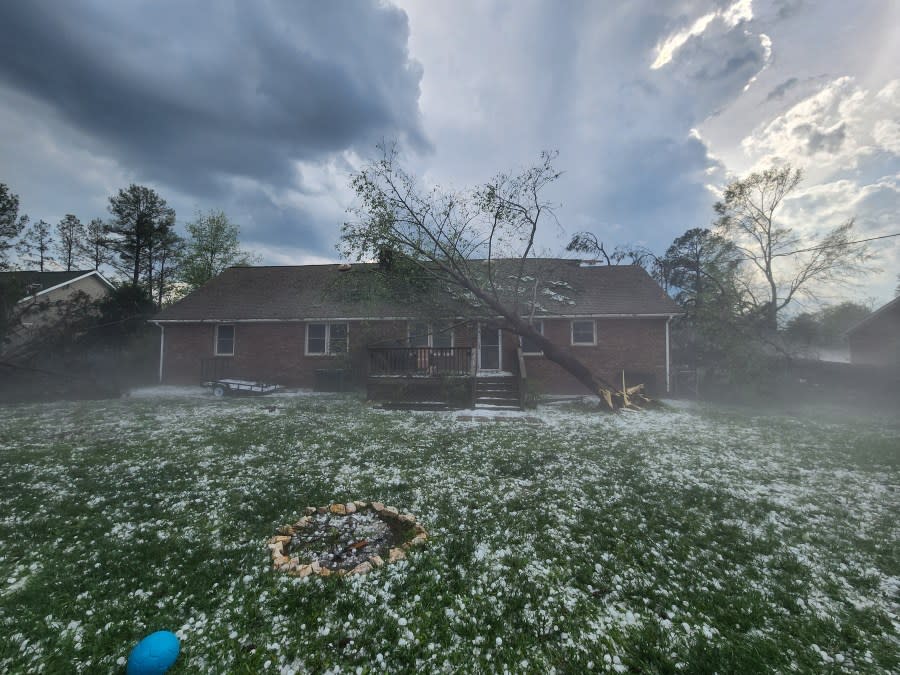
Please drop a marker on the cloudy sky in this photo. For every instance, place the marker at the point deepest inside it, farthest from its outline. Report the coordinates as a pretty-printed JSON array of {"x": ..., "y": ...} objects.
[{"x": 264, "y": 108}]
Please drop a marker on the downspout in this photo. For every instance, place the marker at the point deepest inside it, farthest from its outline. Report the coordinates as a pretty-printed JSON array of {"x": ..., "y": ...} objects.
[
  {"x": 162, "y": 347},
  {"x": 668, "y": 384}
]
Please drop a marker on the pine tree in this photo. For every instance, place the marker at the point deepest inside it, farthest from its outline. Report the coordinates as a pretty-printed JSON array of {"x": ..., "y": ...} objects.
[
  {"x": 69, "y": 234},
  {"x": 34, "y": 246}
]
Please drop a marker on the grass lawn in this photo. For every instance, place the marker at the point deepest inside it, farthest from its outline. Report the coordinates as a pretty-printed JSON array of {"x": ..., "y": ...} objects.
[{"x": 697, "y": 539}]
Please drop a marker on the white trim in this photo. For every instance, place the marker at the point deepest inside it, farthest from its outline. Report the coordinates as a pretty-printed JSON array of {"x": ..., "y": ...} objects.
[
  {"x": 216, "y": 340},
  {"x": 593, "y": 323},
  {"x": 327, "y": 325},
  {"x": 541, "y": 331},
  {"x": 66, "y": 283},
  {"x": 546, "y": 317}
]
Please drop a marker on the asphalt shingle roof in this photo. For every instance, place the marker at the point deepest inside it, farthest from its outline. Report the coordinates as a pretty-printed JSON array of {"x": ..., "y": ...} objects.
[{"x": 301, "y": 292}]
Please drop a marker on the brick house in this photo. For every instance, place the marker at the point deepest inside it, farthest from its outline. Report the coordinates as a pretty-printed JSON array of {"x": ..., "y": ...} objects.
[
  {"x": 286, "y": 325},
  {"x": 875, "y": 340}
]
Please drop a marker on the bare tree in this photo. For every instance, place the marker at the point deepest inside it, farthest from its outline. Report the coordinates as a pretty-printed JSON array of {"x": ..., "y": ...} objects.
[
  {"x": 788, "y": 262},
  {"x": 474, "y": 245}
]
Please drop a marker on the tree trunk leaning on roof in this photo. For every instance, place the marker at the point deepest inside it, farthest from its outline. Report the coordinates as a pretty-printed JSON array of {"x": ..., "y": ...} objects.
[{"x": 471, "y": 243}]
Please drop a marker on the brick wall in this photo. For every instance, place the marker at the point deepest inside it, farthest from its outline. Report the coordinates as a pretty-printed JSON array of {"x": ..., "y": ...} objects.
[
  {"x": 637, "y": 346},
  {"x": 274, "y": 352}
]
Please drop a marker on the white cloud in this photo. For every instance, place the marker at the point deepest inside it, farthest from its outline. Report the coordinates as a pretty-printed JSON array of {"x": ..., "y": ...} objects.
[
  {"x": 834, "y": 129},
  {"x": 742, "y": 10}
]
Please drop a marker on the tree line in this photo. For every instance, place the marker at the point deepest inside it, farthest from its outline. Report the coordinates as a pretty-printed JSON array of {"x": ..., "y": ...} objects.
[{"x": 138, "y": 242}]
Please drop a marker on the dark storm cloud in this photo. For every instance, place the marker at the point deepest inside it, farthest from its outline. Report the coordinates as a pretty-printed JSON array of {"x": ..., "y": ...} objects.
[{"x": 188, "y": 94}]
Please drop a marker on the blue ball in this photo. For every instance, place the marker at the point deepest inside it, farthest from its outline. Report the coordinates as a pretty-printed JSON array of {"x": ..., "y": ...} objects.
[{"x": 154, "y": 655}]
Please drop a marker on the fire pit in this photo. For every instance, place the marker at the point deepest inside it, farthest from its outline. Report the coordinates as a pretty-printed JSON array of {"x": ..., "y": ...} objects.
[{"x": 351, "y": 538}]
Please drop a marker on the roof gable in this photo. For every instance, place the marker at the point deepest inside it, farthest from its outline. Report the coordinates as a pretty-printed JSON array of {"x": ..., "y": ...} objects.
[
  {"x": 34, "y": 282},
  {"x": 298, "y": 293}
]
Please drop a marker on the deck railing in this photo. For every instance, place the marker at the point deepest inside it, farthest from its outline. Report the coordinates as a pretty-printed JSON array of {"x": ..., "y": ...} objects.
[{"x": 419, "y": 361}]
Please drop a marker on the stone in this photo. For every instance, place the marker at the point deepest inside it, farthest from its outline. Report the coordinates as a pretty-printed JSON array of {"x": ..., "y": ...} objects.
[
  {"x": 407, "y": 518},
  {"x": 286, "y": 530},
  {"x": 396, "y": 554},
  {"x": 377, "y": 561},
  {"x": 390, "y": 512},
  {"x": 324, "y": 572},
  {"x": 279, "y": 561},
  {"x": 277, "y": 546},
  {"x": 322, "y": 509},
  {"x": 316, "y": 567},
  {"x": 378, "y": 506},
  {"x": 304, "y": 570},
  {"x": 360, "y": 505},
  {"x": 350, "y": 507},
  {"x": 309, "y": 510},
  {"x": 362, "y": 568},
  {"x": 420, "y": 529},
  {"x": 418, "y": 539},
  {"x": 303, "y": 522},
  {"x": 338, "y": 509}
]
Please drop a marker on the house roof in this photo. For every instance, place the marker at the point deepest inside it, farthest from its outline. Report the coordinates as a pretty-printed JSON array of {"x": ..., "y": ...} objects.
[
  {"x": 302, "y": 292},
  {"x": 42, "y": 282},
  {"x": 874, "y": 316}
]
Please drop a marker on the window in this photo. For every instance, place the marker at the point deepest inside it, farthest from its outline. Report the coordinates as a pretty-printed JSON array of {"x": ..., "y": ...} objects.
[
  {"x": 418, "y": 334},
  {"x": 442, "y": 336},
  {"x": 583, "y": 333},
  {"x": 224, "y": 340},
  {"x": 529, "y": 346},
  {"x": 437, "y": 336},
  {"x": 326, "y": 338}
]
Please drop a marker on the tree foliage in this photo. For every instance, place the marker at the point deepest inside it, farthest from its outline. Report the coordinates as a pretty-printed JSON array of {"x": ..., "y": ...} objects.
[
  {"x": 11, "y": 224},
  {"x": 213, "y": 244},
  {"x": 93, "y": 246},
  {"x": 34, "y": 246},
  {"x": 70, "y": 234},
  {"x": 141, "y": 220}
]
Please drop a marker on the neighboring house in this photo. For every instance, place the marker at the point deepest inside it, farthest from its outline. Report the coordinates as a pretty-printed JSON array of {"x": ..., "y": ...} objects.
[
  {"x": 35, "y": 300},
  {"x": 284, "y": 325},
  {"x": 876, "y": 339}
]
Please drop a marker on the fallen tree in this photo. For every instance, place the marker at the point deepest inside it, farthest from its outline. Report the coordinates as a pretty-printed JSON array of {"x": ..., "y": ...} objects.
[{"x": 476, "y": 247}]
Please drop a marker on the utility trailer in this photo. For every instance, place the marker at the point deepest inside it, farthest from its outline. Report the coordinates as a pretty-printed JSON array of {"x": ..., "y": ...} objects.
[{"x": 230, "y": 387}]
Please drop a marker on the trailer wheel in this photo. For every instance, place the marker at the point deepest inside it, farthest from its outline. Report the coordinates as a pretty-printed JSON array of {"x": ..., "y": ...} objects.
[{"x": 218, "y": 391}]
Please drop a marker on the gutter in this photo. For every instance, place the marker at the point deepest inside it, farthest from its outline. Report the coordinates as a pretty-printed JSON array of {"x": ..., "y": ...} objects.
[{"x": 666, "y": 315}]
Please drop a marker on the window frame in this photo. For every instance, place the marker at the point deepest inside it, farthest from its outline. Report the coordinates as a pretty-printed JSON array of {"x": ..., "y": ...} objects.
[
  {"x": 430, "y": 330},
  {"x": 534, "y": 324},
  {"x": 328, "y": 325},
  {"x": 216, "y": 351},
  {"x": 593, "y": 342}
]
